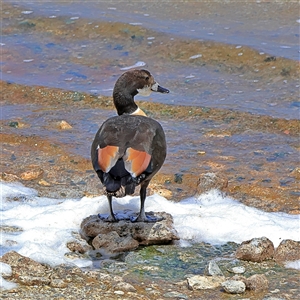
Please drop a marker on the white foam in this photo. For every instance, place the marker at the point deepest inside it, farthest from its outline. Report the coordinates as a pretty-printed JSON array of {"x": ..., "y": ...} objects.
[
  {"x": 293, "y": 264},
  {"x": 48, "y": 224},
  {"x": 5, "y": 269}
]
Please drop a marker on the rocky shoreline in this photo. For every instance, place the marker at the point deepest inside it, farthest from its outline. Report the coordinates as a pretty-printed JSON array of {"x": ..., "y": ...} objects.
[{"x": 253, "y": 270}]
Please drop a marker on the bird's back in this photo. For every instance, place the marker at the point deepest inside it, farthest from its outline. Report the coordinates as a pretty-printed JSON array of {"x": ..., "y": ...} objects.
[{"x": 127, "y": 150}]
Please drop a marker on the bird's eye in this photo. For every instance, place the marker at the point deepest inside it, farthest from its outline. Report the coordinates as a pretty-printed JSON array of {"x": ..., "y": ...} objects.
[{"x": 147, "y": 78}]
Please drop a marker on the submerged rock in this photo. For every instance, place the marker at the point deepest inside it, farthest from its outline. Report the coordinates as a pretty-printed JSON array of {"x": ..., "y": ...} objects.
[
  {"x": 114, "y": 237},
  {"x": 288, "y": 250},
  {"x": 212, "y": 269},
  {"x": 256, "y": 250}
]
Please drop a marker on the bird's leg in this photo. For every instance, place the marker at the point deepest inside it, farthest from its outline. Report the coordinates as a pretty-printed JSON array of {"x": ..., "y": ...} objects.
[
  {"x": 142, "y": 217},
  {"x": 111, "y": 217}
]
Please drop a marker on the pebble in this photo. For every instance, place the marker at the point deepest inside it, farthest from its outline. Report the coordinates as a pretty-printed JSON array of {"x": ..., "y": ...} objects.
[
  {"x": 119, "y": 292},
  {"x": 175, "y": 295},
  {"x": 199, "y": 282},
  {"x": 201, "y": 152},
  {"x": 44, "y": 183},
  {"x": 196, "y": 56},
  {"x": 64, "y": 125},
  {"x": 238, "y": 270}
]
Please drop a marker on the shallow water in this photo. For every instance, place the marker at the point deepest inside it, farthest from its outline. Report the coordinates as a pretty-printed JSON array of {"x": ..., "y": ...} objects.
[{"x": 89, "y": 61}]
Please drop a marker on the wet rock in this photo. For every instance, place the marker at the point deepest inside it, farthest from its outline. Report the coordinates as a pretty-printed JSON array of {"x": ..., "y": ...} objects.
[
  {"x": 256, "y": 250},
  {"x": 212, "y": 269},
  {"x": 25, "y": 270},
  {"x": 32, "y": 174},
  {"x": 9, "y": 177},
  {"x": 175, "y": 295},
  {"x": 125, "y": 235},
  {"x": 199, "y": 282},
  {"x": 209, "y": 181},
  {"x": 234, "y": 286},
  {"x": 58, "y": 283},
  {"x": 257, "y": 283},
  {"x": 124, "y": 286},
  {"x": 288, "y": 250},
  {"x": 238, "y": 270},
  {"x": 78, "y": 247},
  {"x": 13, "y": 124},
  {"x": 178, "y": 177},
  {"x": 113, "y": 243},
  {"x": 44, "y": 183},
  {"x": 64, "y": 125},
  {"x": 273, "y": 298}
]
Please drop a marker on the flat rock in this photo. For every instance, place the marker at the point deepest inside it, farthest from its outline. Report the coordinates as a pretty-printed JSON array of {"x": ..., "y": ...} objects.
[
  {"x": 288, "y": 250},
  {"x": 124, "y": 235},
  {"x": 199, "y": 282},
  {"x": 256, "y": 250}
]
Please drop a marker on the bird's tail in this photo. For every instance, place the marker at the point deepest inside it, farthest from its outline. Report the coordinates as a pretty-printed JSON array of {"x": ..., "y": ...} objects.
[{"x": 118, "y": 187}]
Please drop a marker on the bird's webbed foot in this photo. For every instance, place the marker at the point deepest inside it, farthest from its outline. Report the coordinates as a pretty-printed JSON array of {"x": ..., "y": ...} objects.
[
  {"x": 146, "y": 218},
  {"x": 109, "y": 218}
]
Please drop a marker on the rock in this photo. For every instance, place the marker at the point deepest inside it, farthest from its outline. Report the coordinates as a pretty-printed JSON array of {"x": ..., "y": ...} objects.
[
  {"x": 199, "y": 282},
  {"x": 238, "y": 270},
  {"x": 256, "y": 250},
  {"x": 209, "y": 181},
  {"x": 212, "y": 269},
  {"x": 125, "y": 235},
  {"x": 257, "y": 283},
  {"x": 32, "y": 174},
  {"x": 178, "y": 177},
  {"x": 25, "y": 270},
  {"x": 273, "y": 298},
  {"x": 234, "y": 286},
  {"x": 113, "y": 243},
  {"x": 63, "y": 125},
  {"x": 78, "y": 247},
  {"x": 119, "y": 293},
  {"x": 9, "y": 177},
  {"x": 288, "y": 250},
  {"x": 175, "y": 295},
  {"x": 44, "y": 183},
  {"x": 58, "y": 283},
  {"x": 125, "y": 287}
]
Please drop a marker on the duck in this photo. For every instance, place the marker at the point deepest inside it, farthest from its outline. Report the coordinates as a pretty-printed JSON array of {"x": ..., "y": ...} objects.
[{"x": 130, "y": 148}]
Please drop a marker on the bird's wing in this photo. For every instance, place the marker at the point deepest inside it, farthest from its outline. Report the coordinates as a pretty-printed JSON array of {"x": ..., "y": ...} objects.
[
  {"x": 107, "y": 157},
  {"x": 136, "y": 162}
]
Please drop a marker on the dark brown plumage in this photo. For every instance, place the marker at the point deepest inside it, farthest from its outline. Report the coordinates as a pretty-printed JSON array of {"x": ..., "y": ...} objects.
[{"x": 129, "y": 149}]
